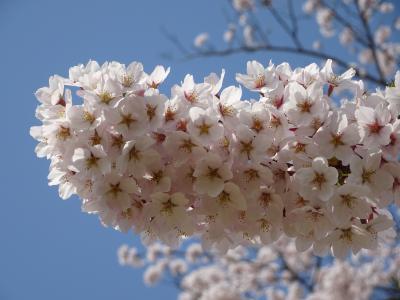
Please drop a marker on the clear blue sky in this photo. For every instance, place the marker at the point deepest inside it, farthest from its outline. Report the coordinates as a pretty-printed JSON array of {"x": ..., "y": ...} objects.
[{"x": 48, "y": 248}]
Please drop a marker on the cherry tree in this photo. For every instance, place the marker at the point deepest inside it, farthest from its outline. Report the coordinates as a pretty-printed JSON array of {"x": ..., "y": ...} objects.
[{"x": 305, "y": 168}]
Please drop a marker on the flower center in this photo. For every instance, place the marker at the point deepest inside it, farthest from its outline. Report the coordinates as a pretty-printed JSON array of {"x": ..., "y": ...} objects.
[
  {"x": 168, "y": 207},
  {"x": 275, "y": 121},
  {"x": 127, "y": 81},
  {"x": 105, "y": 97},
  {"x": 91, "y": 161},
  {"x": 169, "y": 115},
  {"x": 259, "y": 82},
  {"x": 336, "y": 140},
  {"x": 348, "y": 200},
  {"x": 265, "y": 199},
  {"x": 246, "y": 148},
  {"x": 213, "y": 173},
  {"x": 251, "y": 174},
  {"x": 226, "y": 110},
  {"x": 265, "y": 225},
  {"x": 305, "y": 107},
  {"x": 224, "y": 198},
  {"x": 134, "y": 154},
  {"x": 319, "y": 179},
  {"x": 346, "y": 235},
  {"x": 366, "y": 176},
  {"x": 114, "y": 189},
  {"x": 374, "y": 128},
  {"x": 88, "y": 117},
  {"x": 192, "y": 96},
  {"x": 151, "y": 111},
  {"x": 204, "y": 128},
  {"x": 257, "y": 125},
  {"x": 299, "y": 148},
  {"x": 117, "y": 141},
  {"x": 187, "y": 145},
  {"x": 63, "y": 133},
  {"x": 127, "y": 120}
]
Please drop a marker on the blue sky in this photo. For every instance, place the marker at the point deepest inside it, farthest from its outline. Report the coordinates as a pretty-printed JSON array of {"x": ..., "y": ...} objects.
[{"x": 49, "y": 249}]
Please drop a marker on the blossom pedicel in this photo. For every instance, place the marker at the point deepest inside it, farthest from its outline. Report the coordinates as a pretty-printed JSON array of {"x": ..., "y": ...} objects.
[{"x": 234, "y": 172}]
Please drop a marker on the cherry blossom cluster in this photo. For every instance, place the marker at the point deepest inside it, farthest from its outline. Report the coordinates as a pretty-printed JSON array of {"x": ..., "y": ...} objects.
[
  {"x": 270, "y": 272},
  {"x": 206, "y": 162}
]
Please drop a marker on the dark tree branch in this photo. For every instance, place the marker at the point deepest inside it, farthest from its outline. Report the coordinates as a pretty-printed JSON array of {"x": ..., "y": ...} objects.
[
  {"x": 294, "y": 274},
  {"x": 291, "y": 29},
  {"x": 293, "y": 19},
  {"x": 287, "y": 49},
  {"x": 257, "y": 27}
]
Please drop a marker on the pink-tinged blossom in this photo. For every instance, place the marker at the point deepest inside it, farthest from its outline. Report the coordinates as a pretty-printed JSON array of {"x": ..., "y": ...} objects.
[
  {"x": 54, "y": 93},
  {"x": 337, "y": 137},
  {"x": 258, "y": 78},
  {"x": 392, "y": 195},
  {"x": 193, "y": 94},
  {"x": 374, "y": 125},
  {"x": 169, "y": 212},
  {"x": 129, "y": 118},
  {"x": 336, "y": 82},
  {"x": 215, "y": 81},
  {"x": 306, "y": 76},
  {"x": 211, "y": 173},
  {"x": 369, "y": 173},
  {"x": 157, "y": 77},
  {"x": 229, "y": 105},
  {"x": 256, "y": 117},
  {"x": 317, "y": 182},
  {"x": 346, "y": 239},
  {"x": 349, "y": 201},
  {"x": 304, "y": 104},
  {"x": 107, "y": 92},
  {"x": 114, "y": 194},
  {"x": 84, "y": 117},
  {"x": 204, "y": 126},
  {"x": 248, "y": 146},
  {"x": 184, "y": 146},
  {"x": 136, "y": 155},
  {"x": 94, "y": 161},
  {"x": 132, "y": 77},
  {"x": 391, "y": 151}
]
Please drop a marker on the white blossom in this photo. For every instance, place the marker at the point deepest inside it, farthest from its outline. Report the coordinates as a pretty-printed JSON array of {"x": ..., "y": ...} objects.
[{"x": 232, "y": 171}]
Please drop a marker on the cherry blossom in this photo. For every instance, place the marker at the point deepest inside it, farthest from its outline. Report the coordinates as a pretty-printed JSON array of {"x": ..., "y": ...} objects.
[
  {"x": 374, "y": 125},
  {"x": 293, "y": 162},
  {"x": 258, "y": 78},
  {"x": 317, "y": 181}
]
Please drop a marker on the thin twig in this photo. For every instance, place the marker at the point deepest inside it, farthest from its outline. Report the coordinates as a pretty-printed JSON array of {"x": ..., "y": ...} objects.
[
  {"x": 174, "y": 40},
  {"x": 290, "y": 31},
  {"x": 370, "y": 38},
  {"x": 357, "y": 35}
]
